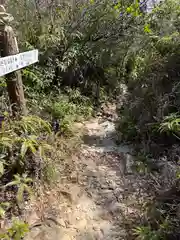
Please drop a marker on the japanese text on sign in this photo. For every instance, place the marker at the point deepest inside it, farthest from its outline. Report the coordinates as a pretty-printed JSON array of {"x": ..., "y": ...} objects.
[{"x": 12, "y": 63}]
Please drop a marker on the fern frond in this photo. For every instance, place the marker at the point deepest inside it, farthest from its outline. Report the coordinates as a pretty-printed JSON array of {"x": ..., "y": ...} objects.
[{"x": 170, "y": 124}]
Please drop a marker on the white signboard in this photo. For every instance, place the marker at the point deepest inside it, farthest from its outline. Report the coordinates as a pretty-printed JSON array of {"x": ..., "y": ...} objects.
[{"x": 12, "y": 63}]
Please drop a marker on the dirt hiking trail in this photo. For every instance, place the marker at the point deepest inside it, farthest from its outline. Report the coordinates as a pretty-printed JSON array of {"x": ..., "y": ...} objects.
[{"x": 104, "y": 199}]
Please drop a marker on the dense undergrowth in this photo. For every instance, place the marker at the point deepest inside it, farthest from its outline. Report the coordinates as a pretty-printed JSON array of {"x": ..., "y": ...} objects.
[{"x": 86, "y": 52}]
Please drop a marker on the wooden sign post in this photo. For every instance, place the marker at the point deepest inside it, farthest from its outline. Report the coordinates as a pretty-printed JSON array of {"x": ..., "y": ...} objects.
[{"x": 10, "y": 63}]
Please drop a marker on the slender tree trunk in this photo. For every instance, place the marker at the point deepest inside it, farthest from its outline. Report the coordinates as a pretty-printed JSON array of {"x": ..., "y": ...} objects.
[{"x": 14, "y": 80}]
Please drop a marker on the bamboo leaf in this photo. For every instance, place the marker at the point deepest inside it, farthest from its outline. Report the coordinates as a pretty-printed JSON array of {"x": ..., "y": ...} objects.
[
  {"x": 1, "y": 168},
  {"x": 5, "y": 204},
  {"x": 32, "y": 148},
  {"x": 7, "y": 142},
  {"x": 2, "y": 212},
  {"x": 20, "y": 193},
  {"x": 41, "y": 151},
  {"x": 17, "y": 178},
  {"x": 11, "y": 183},
  {"x": 24, "y": 149}
]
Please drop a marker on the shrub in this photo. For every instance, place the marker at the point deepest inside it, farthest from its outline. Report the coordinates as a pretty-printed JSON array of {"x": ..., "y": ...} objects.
[{"x": 152, "y": 77}]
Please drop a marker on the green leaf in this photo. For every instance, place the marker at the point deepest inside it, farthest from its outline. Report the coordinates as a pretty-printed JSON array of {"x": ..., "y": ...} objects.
[
  {"x": 20, "y": 193},
  {"x": 129, "y": 10},
  {"x": 2, "y": 212},
  {"x": 32, "y": 148},
  {"x": 24, "y": 149},
  {"x": 43, "y": 148},
  {"x": 41, "y": 151},
  {"x": 7, "y": 142},
  {"x": 17, "y": 178},
  {"x": 6, "y": 114},
  {"x": 147, "y": 28},
  {"x": 117, "y": 6},
  {"x": 28, "y": 180},
  {"x": 1, "y": 168},
  {"x": 5, "y": 204},
  {"x": 11, "y": 183}
]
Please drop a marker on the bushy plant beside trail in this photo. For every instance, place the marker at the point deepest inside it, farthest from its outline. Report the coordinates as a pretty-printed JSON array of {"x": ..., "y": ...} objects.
[
  {"x": 149, "y": 115},
  {"x": 80, "y": 46},
  {"x": 33, "y": 156},
  {"x": 24, "y": 153},
  {"x": 153, "y": 77}
]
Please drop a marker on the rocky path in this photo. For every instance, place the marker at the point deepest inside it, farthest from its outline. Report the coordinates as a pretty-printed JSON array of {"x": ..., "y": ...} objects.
[{"x": 104, "y": 199}]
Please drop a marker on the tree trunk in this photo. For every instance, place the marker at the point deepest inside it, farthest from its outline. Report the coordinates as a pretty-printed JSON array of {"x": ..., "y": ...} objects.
[{"x": 14, "y": 80}]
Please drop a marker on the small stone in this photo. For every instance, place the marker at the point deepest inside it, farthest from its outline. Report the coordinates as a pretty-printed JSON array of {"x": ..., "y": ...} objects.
[
  {"x": 97, "y": 229},
  {"x": 74, "y": 179},
  {"x": 61, "y": 222},
  {"x": 32, "y": 218},
  {"x": 66, "y": 237}
]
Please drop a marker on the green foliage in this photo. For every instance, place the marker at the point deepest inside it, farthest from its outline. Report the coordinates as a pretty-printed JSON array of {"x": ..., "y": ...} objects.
[
  {"x": 68, "y": 108},
  {"x": 2, "y": 163},
  {"x": 71, "y": 38},
  {"x": 50, "y": 172},
  {"x": 149, "y": 113},
  {"x": 3, "y": 207},
  {"x": 24, "y": 150},
  {"x": 68, "y": 112},
  {"x": 22, "y": 184},
  {"x": 160, "y": 224},
  {"x": 32, "y": 125},
  {"x": 127, "y": 129},
  {"x": 17, "y": 231},
  {"x": 62, "y": 109},
  {"x": 170, "y": 124},
  {"x": 23, "y": 136},
  {"x": 151, "y": 76},
  {"x": 146, "y": 233},
  {"x": 21, "y": 142}
]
